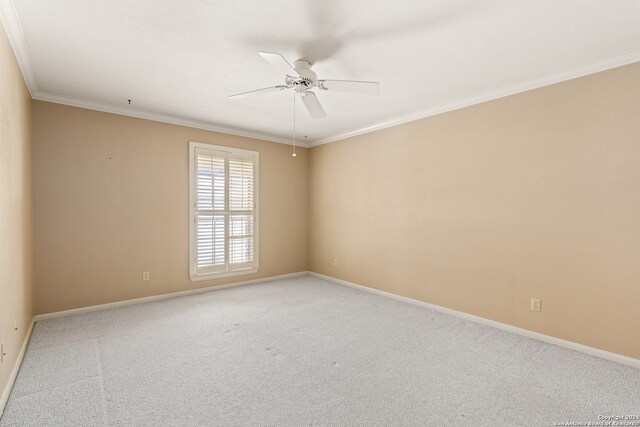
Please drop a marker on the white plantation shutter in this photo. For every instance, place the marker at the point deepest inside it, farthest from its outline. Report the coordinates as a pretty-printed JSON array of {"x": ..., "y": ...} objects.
[
  {"x": 223, "y": 211},
  {"x": 210, "y": 173},
  {"x": 210, "y": 243},
  {"x": 240, "y": 207},
  {"x": 240, "y": 184},
  {"x": 240, "y": 239}
]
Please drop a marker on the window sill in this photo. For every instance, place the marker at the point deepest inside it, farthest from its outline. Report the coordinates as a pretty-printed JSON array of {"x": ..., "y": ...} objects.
[{"x": 214, "y": 276}]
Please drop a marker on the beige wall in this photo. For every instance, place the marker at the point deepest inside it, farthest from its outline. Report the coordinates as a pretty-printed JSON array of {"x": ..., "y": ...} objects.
[
  {"x": 112, "y": 201},
  {"x": 16, "y": 225},
  {"x": 480, "y": 209}
]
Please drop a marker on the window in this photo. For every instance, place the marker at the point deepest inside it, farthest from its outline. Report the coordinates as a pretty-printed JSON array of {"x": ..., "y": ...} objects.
[{"x": 224, "y": 211}]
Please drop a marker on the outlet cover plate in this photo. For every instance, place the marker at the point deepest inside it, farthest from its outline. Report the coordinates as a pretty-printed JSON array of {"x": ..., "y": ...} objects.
[{"x": 536, "y": 304}]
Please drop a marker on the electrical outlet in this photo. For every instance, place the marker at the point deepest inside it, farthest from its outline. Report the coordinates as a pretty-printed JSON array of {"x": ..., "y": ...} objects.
[
  {"x": 145, "y": 276},
  {"x": 335, "y": 262},
  {"x": 536, "y": 304},
  {"x": 2, "y": 353},
  {"x": 15, "y": 326}
]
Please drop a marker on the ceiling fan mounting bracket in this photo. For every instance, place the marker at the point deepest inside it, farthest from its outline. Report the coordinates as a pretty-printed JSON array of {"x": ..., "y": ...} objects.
[{"x": 302, "y": 63}]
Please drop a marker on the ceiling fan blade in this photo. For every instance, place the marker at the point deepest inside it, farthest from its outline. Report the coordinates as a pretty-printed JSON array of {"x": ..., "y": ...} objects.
[
  {"x": 313, "y": 105},
  {"x": 264, "y": 90},
  {"x": 279, "y": 63},
  {"x": 349, "y": 86}
]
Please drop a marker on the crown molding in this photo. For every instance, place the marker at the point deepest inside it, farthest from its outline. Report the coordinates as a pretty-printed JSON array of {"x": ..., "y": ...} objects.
[
  {"x": 18, "y": 43},
  {"x": 157, "y": 117},
  {"x": 523, "y": 86},
  {"x": 11, "y": 22},
  {"x": 9, "y": 18},
  {"x": 519, "y": 87}
]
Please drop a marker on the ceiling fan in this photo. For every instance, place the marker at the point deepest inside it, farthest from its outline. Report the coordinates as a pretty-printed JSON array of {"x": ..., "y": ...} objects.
[{"x": 302, "y": 79}]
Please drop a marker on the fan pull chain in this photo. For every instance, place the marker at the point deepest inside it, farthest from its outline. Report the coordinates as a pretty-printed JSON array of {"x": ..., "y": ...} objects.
[{"x": 294, "y": 124}]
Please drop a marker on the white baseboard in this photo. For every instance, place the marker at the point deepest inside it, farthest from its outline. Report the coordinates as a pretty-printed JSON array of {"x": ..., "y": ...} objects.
[
  {"x": 16, "y": 367},
  {"x": 143, "y": 300},
  {"x": 613, "y": 357}
]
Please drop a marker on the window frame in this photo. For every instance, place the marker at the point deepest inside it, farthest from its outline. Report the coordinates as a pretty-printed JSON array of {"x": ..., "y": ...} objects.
[{"x": 193, "y": 272}]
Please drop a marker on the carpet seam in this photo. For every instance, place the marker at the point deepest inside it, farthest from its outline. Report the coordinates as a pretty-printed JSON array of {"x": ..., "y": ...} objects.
[
  {"x": 101, "y": 378},
  {"x": 55, "y": 388}
]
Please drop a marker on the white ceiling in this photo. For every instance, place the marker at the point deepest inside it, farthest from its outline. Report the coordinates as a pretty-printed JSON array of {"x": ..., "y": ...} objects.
[{"x": 179, "y": 60}]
